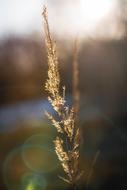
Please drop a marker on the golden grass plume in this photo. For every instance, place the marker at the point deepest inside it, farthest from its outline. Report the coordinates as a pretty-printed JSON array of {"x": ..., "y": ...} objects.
[{"x": 68, "y": 138}]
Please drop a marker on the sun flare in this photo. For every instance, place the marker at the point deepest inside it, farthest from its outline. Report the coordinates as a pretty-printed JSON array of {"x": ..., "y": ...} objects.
[
  {"x": 94, "y": 11},
  {"x": 86, "y": 18}
]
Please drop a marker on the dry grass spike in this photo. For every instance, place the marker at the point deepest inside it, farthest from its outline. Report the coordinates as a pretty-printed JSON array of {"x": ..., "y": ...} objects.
[{"x": 67, "y": 140}]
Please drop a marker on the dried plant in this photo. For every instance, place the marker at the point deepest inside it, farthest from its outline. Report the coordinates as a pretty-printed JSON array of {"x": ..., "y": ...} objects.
[
  {"x": 68, "y": 136},
  {"x": 75, "y": 81}
]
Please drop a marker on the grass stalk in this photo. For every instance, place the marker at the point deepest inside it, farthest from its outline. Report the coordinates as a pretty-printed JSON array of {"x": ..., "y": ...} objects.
[{"x": 68, "y": 134}]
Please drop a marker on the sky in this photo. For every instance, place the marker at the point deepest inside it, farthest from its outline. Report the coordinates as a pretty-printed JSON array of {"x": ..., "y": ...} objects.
[
  {"x": 66, "y": 16},
  {"x": 19, "y": 16}
]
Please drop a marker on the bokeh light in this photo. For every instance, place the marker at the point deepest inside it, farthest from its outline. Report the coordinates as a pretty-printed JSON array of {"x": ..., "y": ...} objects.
[
  {"x": 13, "y": 169},
  {"x": 31, "y": 181},
  {"x": 17, "y": 176},
  {"x": 39, "y": 156}
]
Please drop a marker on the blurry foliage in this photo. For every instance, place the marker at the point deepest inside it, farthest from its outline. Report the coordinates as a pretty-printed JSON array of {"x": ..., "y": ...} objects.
[
  {"x": 102, "y": 67},
  {"x": 22, "y": 69}
]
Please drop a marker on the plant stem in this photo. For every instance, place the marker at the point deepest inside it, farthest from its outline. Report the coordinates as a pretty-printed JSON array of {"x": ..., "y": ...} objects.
[{"x": 74, "y": 187}]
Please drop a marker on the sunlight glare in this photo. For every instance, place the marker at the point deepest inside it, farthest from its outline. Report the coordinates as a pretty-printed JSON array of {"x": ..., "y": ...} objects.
[
  {"x": 94, "y": 11},
  {"x": 30, "y": 186}
]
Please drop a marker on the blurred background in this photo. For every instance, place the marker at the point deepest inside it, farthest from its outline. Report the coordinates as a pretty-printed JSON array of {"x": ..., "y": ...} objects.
[{"x": 27, "y": 158}]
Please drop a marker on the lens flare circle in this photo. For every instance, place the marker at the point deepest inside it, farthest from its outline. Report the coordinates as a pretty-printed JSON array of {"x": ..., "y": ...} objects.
[
  {"x": 39, "y": 155},
  {"x": 17, "y": 176},
  {"x": 33, "y": 181},
  {"x": 13, "y": 167}
]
